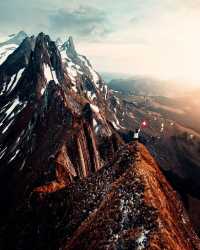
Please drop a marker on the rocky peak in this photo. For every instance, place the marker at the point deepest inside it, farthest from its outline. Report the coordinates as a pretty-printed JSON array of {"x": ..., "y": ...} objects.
[
  {"x": 17, "y": 60},
  {"x": 69, "y": 47},
  {"x": 10, "y": 45},
  {"x": 70, "y": 44}
]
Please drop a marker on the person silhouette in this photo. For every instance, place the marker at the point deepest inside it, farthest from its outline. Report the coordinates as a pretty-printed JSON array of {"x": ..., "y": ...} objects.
[{"x": 136, "y": 135}]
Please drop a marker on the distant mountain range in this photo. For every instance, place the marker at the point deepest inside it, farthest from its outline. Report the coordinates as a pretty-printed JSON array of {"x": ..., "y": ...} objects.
[
  {"x": 147, "y": 86},
  {"x": 108, "y": 76}
]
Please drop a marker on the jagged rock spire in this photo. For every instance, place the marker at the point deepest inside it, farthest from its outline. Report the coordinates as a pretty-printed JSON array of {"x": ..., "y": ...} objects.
[
  {"x": 70, "y": 47},
  {"x": 70, "y": 44}
]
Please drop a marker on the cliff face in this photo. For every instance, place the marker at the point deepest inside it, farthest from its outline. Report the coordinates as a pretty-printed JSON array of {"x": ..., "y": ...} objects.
[{"x": 67, "y": 180}]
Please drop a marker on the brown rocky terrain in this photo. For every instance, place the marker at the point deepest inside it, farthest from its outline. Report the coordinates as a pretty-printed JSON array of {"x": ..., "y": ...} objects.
[{"x": 141, "y": 211}]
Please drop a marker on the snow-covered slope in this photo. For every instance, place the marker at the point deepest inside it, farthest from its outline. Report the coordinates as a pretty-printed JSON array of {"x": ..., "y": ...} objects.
[
  {"x": 6, "y": 50},
  {"x": 9, "y": 44},
  {"x": 81, "y": 72}
]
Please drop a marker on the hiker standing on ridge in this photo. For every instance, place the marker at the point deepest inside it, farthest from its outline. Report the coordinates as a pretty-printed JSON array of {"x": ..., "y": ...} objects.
[{"x": 137, "y": 131}]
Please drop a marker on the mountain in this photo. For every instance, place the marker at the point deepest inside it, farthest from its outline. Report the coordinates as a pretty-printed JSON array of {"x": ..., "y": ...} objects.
[
  {"x": 108, "y": 76},
  {"x": 68, "y": 180},
  {"x": 7, "y": 47},
  {"x": 149, "y": 86},
  {"x": 46, "y": 98}
]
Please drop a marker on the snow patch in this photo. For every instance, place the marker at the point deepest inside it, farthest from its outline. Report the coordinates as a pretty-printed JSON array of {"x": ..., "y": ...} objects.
[
  {"x": 15, "y": 103},
  {"x": 14, "y": 156},
  {"x": 93, "y": 73},
  {"x": 7, "y": 127},
  {"x": 2, "y": 153},
  {"x": 5, "y": 51},
  {"x": 91, "y": 95},
  {"x": 95, "y": 122},
  {"x": 74, "y": 89},
  {"x": 22, "y": 166},
  {"x": 10, "y": 112},
  {"x": 115, "y": 125},
  {"x": 55, "y": 77},
  {"x": 142, "y": 240},
  {"x": 94, "y": 108},
  {"x": 42, "y": 90},
  {"x": 3, "y": 89},
  {"x": 117, "y": 100},
  {"x": 11, "y": 82},
  {"x": 106, "y": 91},
  {"x": 14, "y": 80},
  {"x": 47, "y": 72},
  {"x": 50, "y": 75},
  {"x": 72, "y": 69},
  {"x": 95, "y": 125},
  {"x": 72, "y": 74},
  {"x": 64, "y": 56}
]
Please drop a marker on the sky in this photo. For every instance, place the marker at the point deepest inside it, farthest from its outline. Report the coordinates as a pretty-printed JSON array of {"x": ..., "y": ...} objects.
[{"x": 159, "y": 38}]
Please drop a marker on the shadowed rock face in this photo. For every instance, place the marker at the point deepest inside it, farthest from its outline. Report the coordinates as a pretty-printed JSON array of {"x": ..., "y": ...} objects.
[
  {"x": 17, "y": 60},
  {"x": 67, "y": 180}
]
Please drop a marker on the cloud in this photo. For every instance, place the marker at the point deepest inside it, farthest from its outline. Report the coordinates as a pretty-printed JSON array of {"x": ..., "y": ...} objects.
[
  {"x": 18, "y": 15},
  {"x": 155, "y": 37},
  {"x": 86, "y": 22}
]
